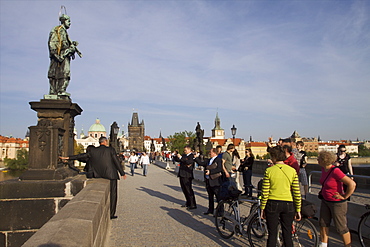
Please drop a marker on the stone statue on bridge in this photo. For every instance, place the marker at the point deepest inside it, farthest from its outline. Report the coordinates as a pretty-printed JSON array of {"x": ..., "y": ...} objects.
[
  {"x": 198, "y": 142},
  {"x": 61, "y": 50}
]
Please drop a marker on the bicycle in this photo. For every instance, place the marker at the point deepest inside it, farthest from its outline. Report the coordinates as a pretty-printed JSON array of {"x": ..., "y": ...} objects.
[
  {"x": 304, "y": 234},
  {"x": 364, "y": 228},
  {"x": 228, "y": 222}
]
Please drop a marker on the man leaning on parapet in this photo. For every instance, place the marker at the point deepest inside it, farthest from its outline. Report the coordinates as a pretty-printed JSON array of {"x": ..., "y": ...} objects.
[{"x": 104, "y": 164}]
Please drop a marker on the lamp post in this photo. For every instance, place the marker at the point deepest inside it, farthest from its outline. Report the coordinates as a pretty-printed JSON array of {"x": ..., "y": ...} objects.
[
  {"x": 233, "y": 132},
  {"x": 114, "y": 129}
]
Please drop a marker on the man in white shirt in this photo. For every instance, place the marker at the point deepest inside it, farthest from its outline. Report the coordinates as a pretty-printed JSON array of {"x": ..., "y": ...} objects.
[
  {"x": 133, "y": 159},
  {"x": 144, "y": 161}
]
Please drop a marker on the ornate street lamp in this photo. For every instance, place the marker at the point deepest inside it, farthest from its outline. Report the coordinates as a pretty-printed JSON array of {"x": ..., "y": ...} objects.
[{"x": 233, "y": 132}]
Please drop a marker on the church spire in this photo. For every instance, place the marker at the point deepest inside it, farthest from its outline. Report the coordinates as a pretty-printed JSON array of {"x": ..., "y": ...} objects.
[
  {"x": 217, "y": 131},
  {"x": 160, "y": 134},
  {"x": 217, "y": 122}
]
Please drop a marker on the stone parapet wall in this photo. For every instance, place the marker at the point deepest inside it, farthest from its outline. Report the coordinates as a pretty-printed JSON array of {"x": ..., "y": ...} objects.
[
  {"x": 25, "y": 206},
  {"x": 355, "y": 160},
  {"x": 84, "y": 221}
]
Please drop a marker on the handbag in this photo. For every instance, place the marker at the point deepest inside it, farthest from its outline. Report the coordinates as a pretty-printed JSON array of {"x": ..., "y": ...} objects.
[
  {"x": 241, "y": 168},
  {"x": 319, "y": 195},
  {"x": 216, "y": 175},
  {"x": 211, "y": 167}
]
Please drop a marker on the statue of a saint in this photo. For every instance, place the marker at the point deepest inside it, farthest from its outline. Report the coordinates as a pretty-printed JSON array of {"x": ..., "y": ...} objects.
[
  {"x": 198, "y": 142},
  {"x": 61, "y": 50}
]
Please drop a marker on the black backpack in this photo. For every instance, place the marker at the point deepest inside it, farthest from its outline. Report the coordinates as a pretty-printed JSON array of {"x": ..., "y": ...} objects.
[
  {"x": 229, "y": 190},
  {"x": 308, "y": 209}
]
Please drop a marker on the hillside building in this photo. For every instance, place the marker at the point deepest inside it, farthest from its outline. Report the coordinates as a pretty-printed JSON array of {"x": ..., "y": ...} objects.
[{"x": 9, "y": 147}]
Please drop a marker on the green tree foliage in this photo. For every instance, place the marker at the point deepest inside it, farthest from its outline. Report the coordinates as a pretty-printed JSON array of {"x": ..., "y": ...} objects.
[
  {"x": 78, "y": 148},
  {"x": 20, "y": 163},
  {"x": 266, "y": 156},
  {"x": 312, "y": 154},
  {"x": 363, "y": 151},
  {"x": 180, "y": 139}
]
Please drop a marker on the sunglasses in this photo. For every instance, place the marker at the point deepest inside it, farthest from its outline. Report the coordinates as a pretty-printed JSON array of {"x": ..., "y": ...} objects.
[{"x": 342, "y": 151}]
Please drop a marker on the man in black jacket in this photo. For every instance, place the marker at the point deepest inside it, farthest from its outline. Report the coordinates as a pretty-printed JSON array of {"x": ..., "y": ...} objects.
[
  {"x": 104, "y": 163},
  {"x": 186, "y": 176},
  {"x": 213, "y": 177}
]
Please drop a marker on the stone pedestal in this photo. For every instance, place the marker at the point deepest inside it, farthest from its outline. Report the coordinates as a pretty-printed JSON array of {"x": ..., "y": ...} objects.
[{"x": 52, "y": 137}]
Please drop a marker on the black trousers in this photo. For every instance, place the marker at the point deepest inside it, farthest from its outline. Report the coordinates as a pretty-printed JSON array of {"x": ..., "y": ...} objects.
[
  {"x": 212, "y": 192},
  {"x": 187, "y": 189},
  {"x": 283, "y": 212},
  {"x": 113, "y": 196}
]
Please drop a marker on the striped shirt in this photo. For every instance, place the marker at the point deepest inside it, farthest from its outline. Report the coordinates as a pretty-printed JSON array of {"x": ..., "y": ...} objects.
[{"x": 280, "y": 183}]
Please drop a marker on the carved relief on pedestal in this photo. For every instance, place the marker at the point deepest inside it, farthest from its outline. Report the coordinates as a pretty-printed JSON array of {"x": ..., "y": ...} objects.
[
  {"x": 60, "y": 144},
  {"x": 44, "y": 133},
  {"x": 71, "y": 127}
]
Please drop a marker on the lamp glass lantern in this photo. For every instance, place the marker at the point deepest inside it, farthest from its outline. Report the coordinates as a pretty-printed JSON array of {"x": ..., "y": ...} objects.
[
  {"x": 233, "y": 130},
  {"x": 115, "y": 128}
]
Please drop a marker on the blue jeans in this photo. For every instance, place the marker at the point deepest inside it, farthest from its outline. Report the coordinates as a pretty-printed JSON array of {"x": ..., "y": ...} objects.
[
  {"x": 145, "y": 169},
  {"x": 283, "y": 212},
  {"x": 132, "y": 167}
]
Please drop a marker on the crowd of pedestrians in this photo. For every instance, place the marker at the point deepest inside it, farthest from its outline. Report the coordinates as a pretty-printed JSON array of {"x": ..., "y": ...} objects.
[
  {"x": 337, "y": 186},
  {"x": 280, "y": 192}
]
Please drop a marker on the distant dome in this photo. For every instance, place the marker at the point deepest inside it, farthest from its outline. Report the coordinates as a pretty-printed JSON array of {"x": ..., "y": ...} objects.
[{"x": 97, "y": 127}]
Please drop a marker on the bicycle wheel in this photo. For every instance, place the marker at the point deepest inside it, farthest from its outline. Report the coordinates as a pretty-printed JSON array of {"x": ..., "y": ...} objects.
[
  {"x": 304, "y": 233},
  {"x": 225, "y": 217},
  {"x": 257, "y": 231},
  {"x": 364, "y": 230}
]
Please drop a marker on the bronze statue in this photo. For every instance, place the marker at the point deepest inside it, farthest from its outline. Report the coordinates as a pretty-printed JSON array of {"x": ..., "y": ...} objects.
[
  {"x": 61, "y": 50},
  {"x": 198, "y": 142}
]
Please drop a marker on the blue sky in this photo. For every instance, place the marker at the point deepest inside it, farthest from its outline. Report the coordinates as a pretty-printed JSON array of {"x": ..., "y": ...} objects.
[{"x": 269, "y": 67}]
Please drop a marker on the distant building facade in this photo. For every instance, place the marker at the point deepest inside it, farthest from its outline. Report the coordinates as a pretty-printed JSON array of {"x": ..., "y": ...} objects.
[
  {"x": 87, "y": 141},
  {"x": 9, "y": 146},
  {"x": 310, "y": 144},
  {"x": 155, "y": 144},
  {"x": 258, "y": 148},
  {"x": 332, "y": 146},
  {"x": 136, "y": 131},
  {"x": 123, "y": 142}
]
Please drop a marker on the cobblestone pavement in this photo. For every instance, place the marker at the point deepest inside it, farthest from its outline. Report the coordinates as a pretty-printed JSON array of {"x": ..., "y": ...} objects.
[{"x": 150, "y": 214}]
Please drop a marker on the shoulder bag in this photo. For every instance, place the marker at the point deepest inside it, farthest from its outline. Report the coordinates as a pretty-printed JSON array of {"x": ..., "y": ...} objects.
[{"x": 320, "y": 196}]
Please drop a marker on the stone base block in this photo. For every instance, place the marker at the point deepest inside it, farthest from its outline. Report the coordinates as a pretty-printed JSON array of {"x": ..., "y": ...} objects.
[
  {"x": 27, "y": 205},
  {"x": 13, "y": 189},
  {"x": 48, "y": 174}
]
